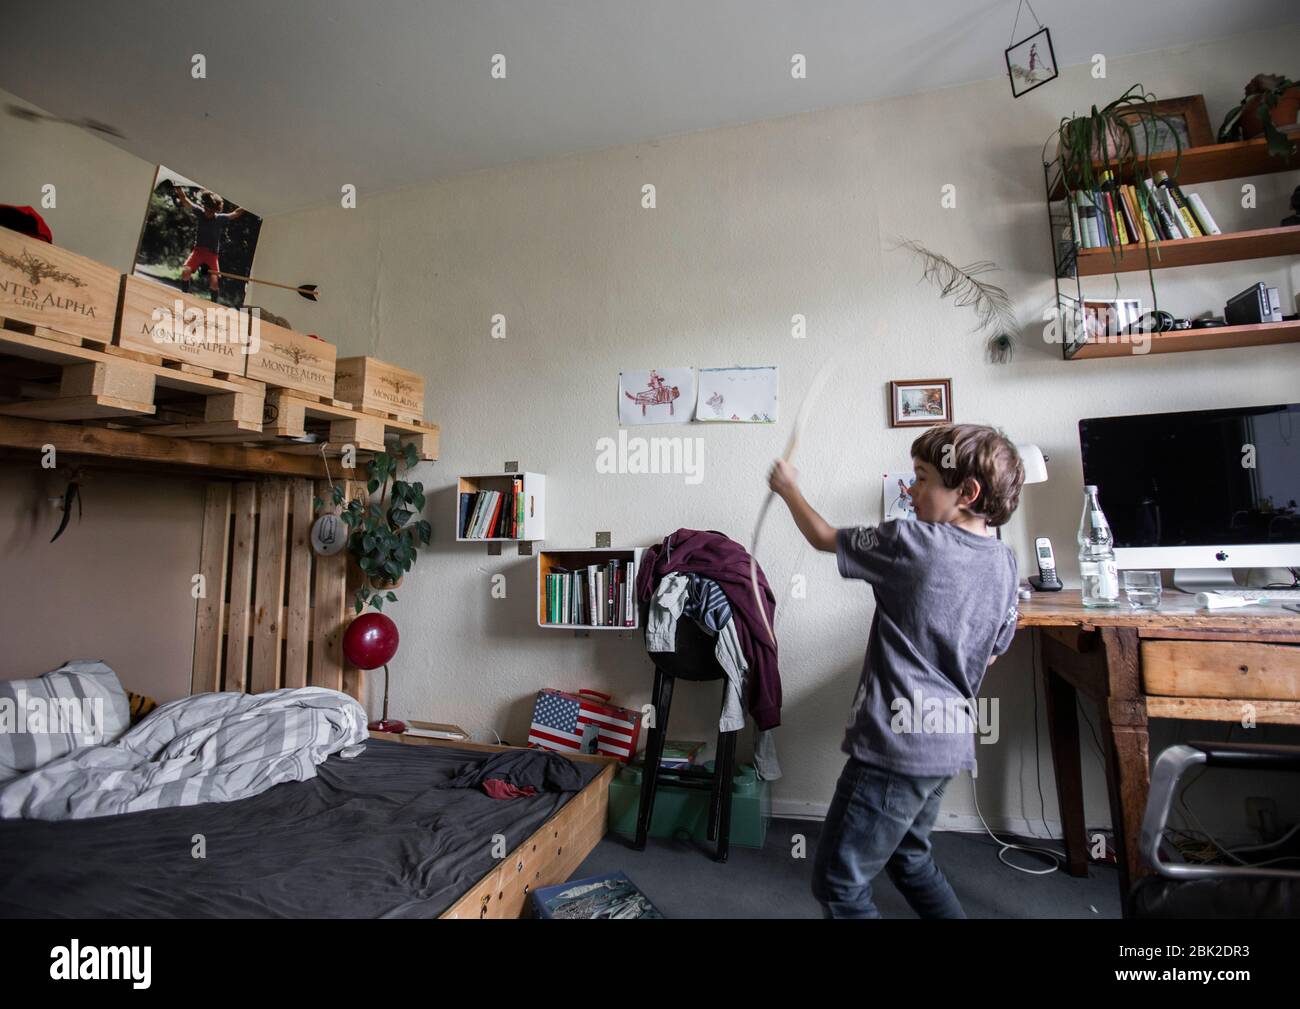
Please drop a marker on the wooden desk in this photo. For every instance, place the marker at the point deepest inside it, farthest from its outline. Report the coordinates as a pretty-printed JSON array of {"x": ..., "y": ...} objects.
[{"x": 1175, "y": 662}]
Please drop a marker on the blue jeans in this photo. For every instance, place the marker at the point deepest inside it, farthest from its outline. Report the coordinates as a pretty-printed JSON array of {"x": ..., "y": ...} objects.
[{"x": 881, "y": 820}]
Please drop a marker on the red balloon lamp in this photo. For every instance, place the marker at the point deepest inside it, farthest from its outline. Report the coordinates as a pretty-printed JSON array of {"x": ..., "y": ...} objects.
[{"x": 370, "y": 642}]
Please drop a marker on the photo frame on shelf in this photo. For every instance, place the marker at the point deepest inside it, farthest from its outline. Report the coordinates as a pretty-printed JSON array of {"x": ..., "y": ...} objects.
[
  {"x": 920, "y": 402},
  {"x": 1187, "y": 117},
  {"x": 1108, "y": 319},
  {"x": 1031, "y": 62}
]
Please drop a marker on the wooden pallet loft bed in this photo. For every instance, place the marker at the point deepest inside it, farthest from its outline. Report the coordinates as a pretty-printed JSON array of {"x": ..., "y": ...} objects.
[{"x": 272, "y": 613}]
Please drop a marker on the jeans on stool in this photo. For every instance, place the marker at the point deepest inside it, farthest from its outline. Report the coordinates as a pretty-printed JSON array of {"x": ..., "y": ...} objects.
[{"x": 878, "y": 820}]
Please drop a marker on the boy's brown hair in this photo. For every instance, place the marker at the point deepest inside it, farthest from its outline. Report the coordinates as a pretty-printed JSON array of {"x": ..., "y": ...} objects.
[{"x": 962, "y": 452}]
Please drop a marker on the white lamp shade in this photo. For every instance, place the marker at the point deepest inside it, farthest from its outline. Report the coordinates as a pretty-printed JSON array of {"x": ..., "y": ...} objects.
[{"x": 1035, "y": 463}]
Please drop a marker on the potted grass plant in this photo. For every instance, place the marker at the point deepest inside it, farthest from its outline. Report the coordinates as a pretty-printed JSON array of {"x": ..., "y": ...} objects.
[{"x": 385, "y": 535}]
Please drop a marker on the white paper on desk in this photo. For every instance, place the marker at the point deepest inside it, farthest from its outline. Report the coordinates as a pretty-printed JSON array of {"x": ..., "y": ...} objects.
[{"x": 737, "y": 396}]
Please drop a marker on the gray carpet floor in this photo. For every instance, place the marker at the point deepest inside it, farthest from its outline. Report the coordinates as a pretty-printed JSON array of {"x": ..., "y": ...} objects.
[{"x": 683, "y": 881}]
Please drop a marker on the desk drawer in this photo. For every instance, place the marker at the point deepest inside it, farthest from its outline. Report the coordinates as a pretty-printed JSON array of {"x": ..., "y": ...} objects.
[{"x": 1237, "y": 669}]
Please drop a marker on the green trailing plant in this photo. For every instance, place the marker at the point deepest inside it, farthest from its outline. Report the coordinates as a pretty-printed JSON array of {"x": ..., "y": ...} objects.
[
  {"x": 1103, "y": 145},
  {"x": 1268, "y": 89},
  {"x": 385, "y": 535},
  {"x": 991, "y": 303}
]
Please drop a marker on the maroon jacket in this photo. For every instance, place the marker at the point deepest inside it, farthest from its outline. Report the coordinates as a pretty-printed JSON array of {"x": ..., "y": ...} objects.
[{"x": 693, "y": 551}]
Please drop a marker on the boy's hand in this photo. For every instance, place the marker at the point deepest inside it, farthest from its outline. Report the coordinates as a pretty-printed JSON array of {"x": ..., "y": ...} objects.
[{"x": 784, "y": 479}]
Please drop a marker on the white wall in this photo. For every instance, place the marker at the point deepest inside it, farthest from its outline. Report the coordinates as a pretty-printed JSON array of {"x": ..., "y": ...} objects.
[
  {"x": 116, "y": 586},
  {"x": 753, "y": 225}
]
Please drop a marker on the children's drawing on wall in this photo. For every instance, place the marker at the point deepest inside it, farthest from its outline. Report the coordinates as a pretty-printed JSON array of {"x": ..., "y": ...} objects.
[
  {"x": 657, "y": 396},
  {"x": 896, "y": 499},
  {"x": 195, "y": 240},
  {"x": 737, "y": 395}
]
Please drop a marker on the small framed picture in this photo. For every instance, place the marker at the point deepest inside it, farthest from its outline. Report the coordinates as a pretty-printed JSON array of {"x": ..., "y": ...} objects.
[
  {"x": 1109, "y": 319},
  {"x": 1184, "y": 117},
  {"x": 1031, "y": 62},
  {"x": 920, "y": 402}
]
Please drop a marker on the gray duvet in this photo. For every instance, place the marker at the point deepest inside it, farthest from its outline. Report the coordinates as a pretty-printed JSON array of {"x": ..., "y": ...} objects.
[
  {"x": 205, "y": 748},
  {"x": 376, "y": 836}
]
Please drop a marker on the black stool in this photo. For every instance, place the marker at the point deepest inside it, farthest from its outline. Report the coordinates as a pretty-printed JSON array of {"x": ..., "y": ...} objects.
[{"x": 694, "y": 659}]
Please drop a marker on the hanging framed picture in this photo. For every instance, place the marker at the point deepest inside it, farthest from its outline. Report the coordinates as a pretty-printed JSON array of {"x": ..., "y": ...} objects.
[
  {"x": 920, "y": 402},
  {"x": 1031, "y": 62}
]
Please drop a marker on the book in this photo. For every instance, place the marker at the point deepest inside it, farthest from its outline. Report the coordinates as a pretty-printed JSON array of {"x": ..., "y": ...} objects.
[
  {"x": 1088, "y": 215},
  {"x": 613, "y": 896},
  {"x": 680, "y": 754},
  {"x": 1168, "y": 229},
  {"x": 462, "y": 517},
  {"x": 1202, "y": 213},
  {"x": 1130, "y": 217},
  {"x": 1140, "y": 208},
  {"x": 1187, "y": 219}
]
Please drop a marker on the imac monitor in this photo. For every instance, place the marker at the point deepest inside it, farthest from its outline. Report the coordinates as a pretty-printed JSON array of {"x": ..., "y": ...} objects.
[{"x": 1208, "y": 490}]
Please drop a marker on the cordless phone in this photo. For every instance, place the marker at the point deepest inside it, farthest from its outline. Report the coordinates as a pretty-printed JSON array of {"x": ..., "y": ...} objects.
[{"x": 1046, "y": 580}]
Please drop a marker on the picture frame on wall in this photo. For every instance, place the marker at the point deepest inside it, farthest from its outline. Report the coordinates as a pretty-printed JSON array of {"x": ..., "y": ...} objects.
[
  {"x": 920, "y": 402},
  {"x": 1187, "y": 117},
  {"x": 1031, "y": 62}
]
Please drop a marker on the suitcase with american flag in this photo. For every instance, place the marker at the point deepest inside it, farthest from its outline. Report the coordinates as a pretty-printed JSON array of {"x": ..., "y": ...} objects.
[{"x": 585, "y": 722}]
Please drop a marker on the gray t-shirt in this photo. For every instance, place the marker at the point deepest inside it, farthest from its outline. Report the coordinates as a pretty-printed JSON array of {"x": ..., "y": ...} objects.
[{"x": 945, "y": 605}]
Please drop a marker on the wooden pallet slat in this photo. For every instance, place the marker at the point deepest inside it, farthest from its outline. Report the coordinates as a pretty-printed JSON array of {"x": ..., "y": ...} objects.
[
  {"x": 329, "y": 613},
  {"x": 209, "y": 627},
  {"x": 239, "y": 624},
  {"x": 298, "y": 604},
  {"x": 268, "y": 601}
]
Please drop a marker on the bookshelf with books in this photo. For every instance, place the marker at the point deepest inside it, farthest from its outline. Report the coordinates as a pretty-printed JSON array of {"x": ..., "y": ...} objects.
[
  {"x": 1156, "y": 221},
  {"x": 588, "y": 589},
  {"x": 501, "y": 507}
]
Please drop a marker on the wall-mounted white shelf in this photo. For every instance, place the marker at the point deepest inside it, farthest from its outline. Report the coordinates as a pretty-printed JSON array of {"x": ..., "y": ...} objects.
[
  {"x": 584, "y": 558},
  {"x": 530, "y": 526}
]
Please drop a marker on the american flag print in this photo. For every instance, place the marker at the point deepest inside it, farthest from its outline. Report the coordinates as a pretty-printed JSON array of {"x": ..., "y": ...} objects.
[{"x": 568, "y": 723}]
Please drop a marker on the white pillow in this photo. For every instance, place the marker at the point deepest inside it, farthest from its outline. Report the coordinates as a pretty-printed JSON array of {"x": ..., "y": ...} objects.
[{"x": 81, "y": 703}]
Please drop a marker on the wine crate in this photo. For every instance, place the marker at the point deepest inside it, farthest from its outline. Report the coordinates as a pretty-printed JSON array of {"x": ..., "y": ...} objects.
[
  {"x": 371, "y": 384},
  {"x": 284, "y": 359},
  {"x": 44, "y": 285},
  {"x": 157, "y": 319}
]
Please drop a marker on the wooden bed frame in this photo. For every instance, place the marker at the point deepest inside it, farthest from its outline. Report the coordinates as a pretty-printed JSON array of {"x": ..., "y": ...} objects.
[
  {"x": 549, "y": 855},
  {"x": 273, "y": 615}
]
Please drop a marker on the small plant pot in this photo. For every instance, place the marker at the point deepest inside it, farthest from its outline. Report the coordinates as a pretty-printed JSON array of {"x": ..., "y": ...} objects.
[
  {"x": 383, "y": 584},
  {"x": 1285, "y": 113}
]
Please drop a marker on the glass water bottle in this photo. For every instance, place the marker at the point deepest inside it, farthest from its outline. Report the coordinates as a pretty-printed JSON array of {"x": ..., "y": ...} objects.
[{"x": 1097, "y": 554}]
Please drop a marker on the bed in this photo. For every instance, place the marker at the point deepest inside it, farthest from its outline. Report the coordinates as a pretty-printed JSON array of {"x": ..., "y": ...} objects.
[
  {"x": 368, "y": 837},
  {"x": 273, "y": 618}
]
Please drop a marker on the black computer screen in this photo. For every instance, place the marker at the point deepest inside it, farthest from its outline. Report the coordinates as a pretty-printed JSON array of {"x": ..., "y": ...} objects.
[{"x": 1204, "y": 478}]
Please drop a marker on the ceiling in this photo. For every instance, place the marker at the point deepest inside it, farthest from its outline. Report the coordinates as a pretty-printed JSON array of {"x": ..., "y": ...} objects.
[{"x": 302, "y": 96}]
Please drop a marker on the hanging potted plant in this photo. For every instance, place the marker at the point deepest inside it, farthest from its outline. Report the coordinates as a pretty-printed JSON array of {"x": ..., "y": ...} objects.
[
  {"x": 385, "y": 535},
  {"x": 1271, "y": 103}
]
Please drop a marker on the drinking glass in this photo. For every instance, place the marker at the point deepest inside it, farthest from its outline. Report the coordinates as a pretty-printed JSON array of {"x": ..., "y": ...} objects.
[{"x": 1142, "y": 589}]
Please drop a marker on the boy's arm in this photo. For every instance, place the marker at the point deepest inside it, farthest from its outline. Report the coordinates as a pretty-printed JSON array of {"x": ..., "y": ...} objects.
[
  {"x": 185, "y": 200},
  {"x": 816, "y": 530}
]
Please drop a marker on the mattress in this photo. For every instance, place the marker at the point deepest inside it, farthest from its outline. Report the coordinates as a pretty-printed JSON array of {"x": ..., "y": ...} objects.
[{"x": 369, "y": 837}]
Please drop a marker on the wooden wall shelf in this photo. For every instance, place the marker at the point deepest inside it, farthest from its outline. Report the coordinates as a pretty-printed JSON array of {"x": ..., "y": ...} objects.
[
  {"x": 549, "y": 560},
  {"x": 1223, "y": 338},
  {"x": 1225, "y": 248},
  {"x": 534, "y": 491},
  {"x": 1212, "y": 163}
]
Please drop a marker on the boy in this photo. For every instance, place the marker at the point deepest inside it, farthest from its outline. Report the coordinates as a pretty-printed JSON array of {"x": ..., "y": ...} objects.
[
  {"x": 946, "y": 593},
  {"x": 210, "y": 224}
]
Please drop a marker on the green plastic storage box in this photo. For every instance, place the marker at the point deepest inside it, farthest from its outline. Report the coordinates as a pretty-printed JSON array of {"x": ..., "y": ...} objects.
[{"x": 681, "y": 810}]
